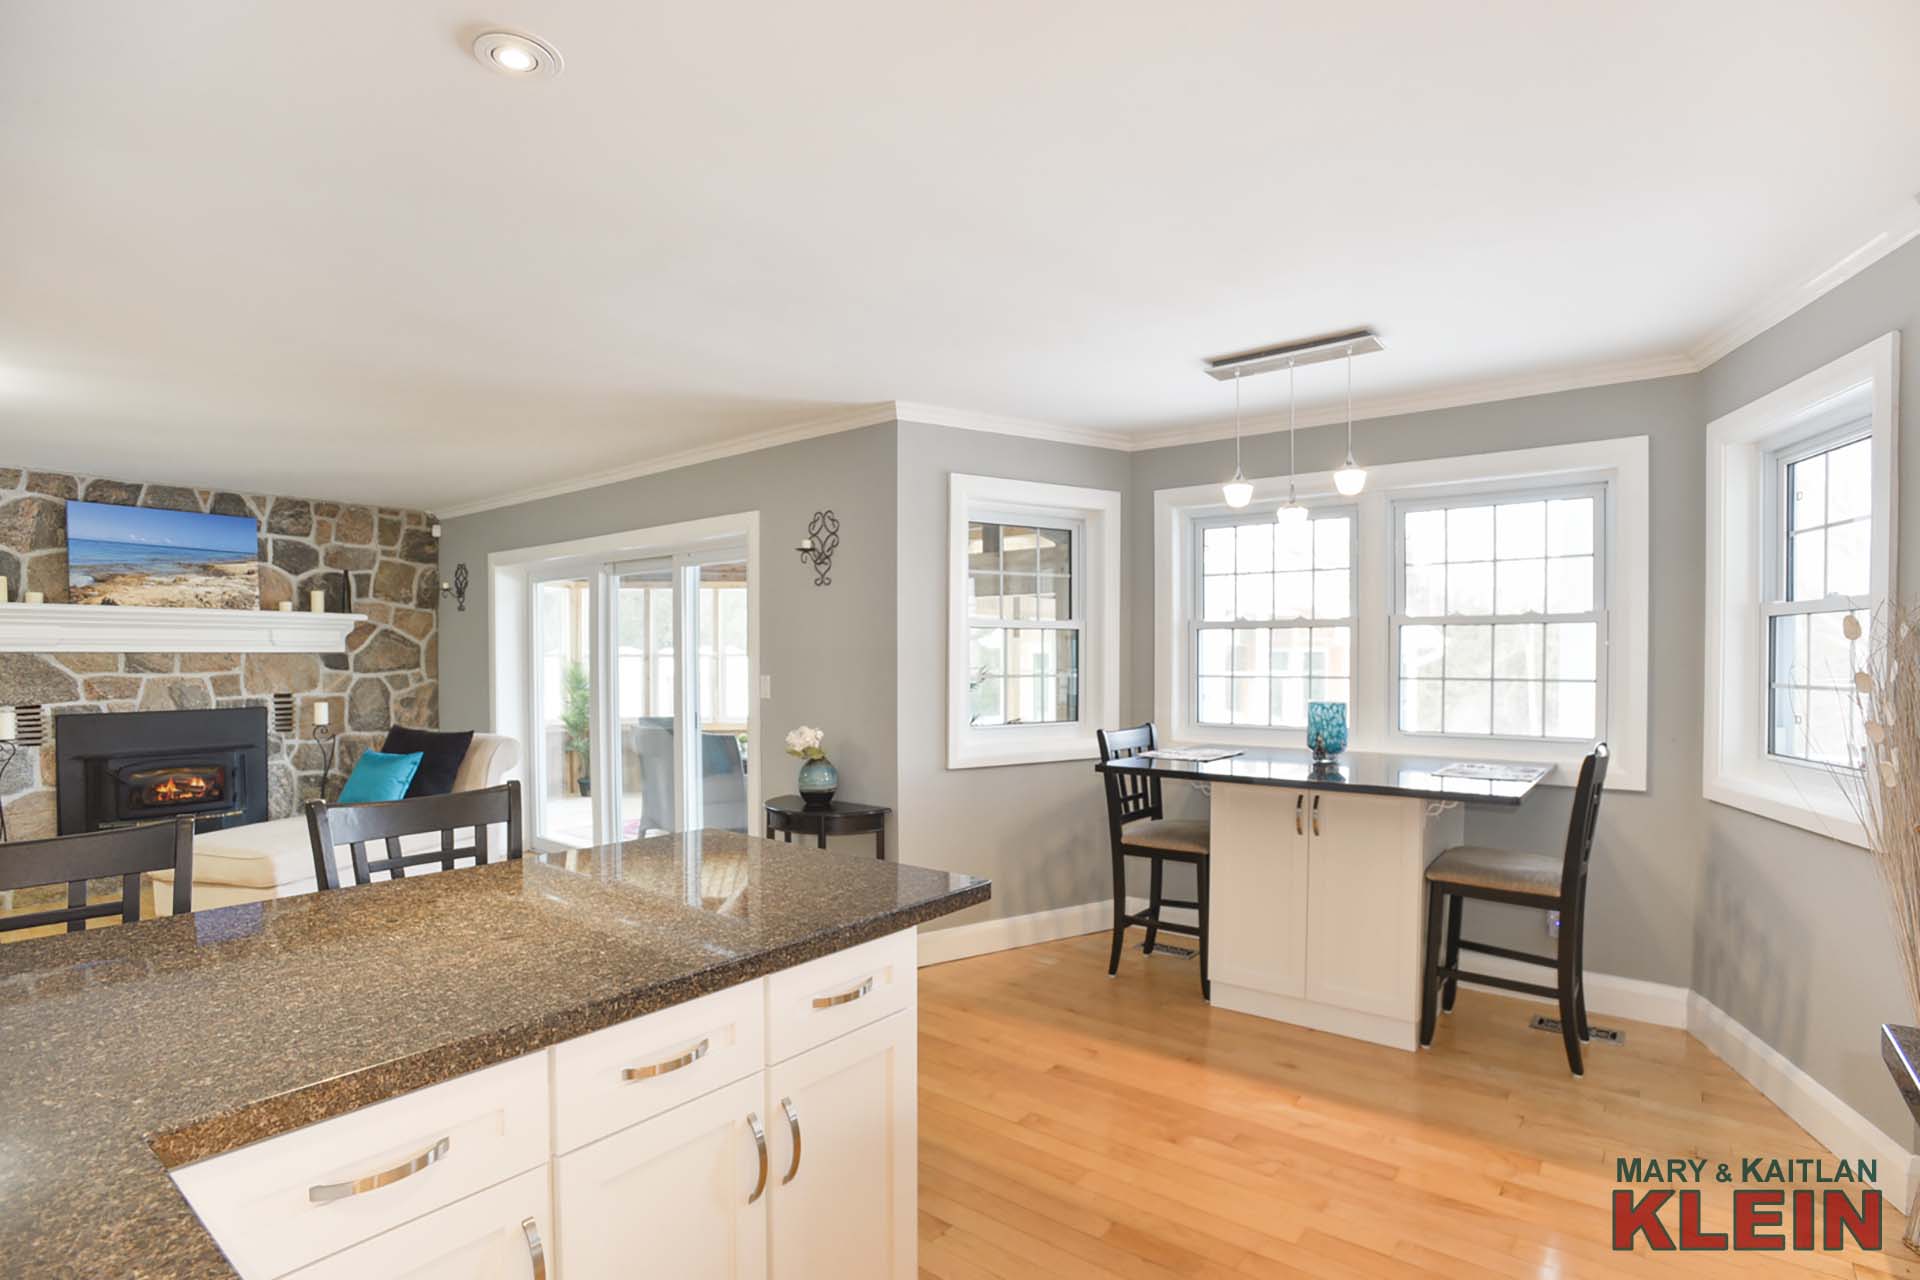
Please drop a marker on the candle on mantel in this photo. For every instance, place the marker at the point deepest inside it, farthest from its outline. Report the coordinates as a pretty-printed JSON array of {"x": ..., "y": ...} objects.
[
  {"x": 286, "y": 606},
  {"x": 9, "y": 724},
  {"x": 317, "y": 601},
  {"x": 3, "y": 589},
  {"x": 322, "y": 714},
  {"x": 36, "y": 597}
]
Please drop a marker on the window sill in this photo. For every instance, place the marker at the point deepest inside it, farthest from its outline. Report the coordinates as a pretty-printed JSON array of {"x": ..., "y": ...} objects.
[
  {"x": 1806, "y": 798},
  {"x": 973, "y": 754}
]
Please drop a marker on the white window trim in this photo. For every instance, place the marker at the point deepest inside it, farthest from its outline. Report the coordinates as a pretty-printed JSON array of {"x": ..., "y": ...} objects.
[
  {"x": 1096, "y": 513},
  {"x": 1621, "y": 464},
  {"x": 1736, "y": 768}
]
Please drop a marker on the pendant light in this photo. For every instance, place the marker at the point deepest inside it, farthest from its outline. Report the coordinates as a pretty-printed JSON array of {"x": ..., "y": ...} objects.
[
  {"x": 1239, "y": 490},
  {"x": 1291, "y": 517},
  {"x": 1351, "y": 478}
]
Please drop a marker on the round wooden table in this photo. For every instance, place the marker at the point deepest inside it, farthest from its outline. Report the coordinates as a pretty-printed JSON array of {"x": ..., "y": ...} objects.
[{"x": 841, "y": 818}]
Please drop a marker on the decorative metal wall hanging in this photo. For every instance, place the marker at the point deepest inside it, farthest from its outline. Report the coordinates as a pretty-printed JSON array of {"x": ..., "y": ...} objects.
[
  {"x": 817, "y": 548},
  {"x": 458, "y": 587}
]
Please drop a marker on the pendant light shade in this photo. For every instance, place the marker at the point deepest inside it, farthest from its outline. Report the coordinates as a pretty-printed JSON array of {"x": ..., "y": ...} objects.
[
  {"x": 1351, "y": 478},
  {"x": 1238, "y": 491}
]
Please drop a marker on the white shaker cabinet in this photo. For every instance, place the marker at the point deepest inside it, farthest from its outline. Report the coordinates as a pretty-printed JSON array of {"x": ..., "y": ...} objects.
[{"x": 502, "y": 1233}]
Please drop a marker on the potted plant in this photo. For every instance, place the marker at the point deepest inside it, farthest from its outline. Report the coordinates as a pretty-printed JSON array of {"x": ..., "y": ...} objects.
[
  {"x": 818, "y": 778},
  {"x": 576, "y": 714}
]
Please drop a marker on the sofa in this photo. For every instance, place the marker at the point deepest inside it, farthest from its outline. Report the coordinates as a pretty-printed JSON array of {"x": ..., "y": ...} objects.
[{"x": 274, "y": 859}]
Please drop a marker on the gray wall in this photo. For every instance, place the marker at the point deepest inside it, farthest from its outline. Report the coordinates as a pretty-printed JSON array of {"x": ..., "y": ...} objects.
[
  {"x": 829, "y": 650},
  {"x": 1646, "y": 856},
  {"x": 1038, "y": 830},
  {"x": 1792, "y": 936}
]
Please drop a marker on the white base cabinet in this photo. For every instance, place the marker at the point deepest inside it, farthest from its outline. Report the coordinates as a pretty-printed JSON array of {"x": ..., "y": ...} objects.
[
  {"x": 765, "y": 1132},
  {"x": 845, "y": 1186},
  {"x": 1319, "y": 907}
]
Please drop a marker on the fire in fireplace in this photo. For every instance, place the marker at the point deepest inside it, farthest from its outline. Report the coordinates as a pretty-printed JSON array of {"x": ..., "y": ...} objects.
[{"x": 137, "y": 766}]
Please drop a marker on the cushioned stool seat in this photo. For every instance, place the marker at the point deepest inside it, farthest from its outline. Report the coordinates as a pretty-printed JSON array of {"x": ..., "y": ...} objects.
[
  {"x": 1179, "y": 835},
  {"x": 1506, "y": 869}
]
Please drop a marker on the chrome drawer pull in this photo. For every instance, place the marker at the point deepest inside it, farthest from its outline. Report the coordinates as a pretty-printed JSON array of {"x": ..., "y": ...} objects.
[
  {"x": 536, "y": 1252},
  {"x": 686, "y": 1059},
  {"x": 793, "y": 1123},
  {"x": 845, "y": 997},
  {"x": 328, "y": 1192},
  {"x": 760, "y": 1141}
]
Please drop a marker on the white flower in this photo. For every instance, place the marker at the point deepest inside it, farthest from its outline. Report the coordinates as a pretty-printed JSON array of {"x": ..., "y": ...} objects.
[{"x": 805, "y": 741}]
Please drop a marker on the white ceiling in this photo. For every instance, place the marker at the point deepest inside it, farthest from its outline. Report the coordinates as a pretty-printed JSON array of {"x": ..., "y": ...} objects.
[{"x": 315, "y": 248}]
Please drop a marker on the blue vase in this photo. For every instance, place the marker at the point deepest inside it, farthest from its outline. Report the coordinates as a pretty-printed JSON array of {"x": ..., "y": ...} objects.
[
  {"x": 818, "y": 781},
  {"x": 1326, "y": 729}
]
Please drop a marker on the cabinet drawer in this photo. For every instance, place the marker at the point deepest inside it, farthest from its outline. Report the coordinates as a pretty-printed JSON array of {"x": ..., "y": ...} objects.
[
  {"x": 622, "y": 1075},
  {"x": 285, "y": 1202},
  {"x": 828, "y": 997},
  {"x": 504, "y": 1233}
]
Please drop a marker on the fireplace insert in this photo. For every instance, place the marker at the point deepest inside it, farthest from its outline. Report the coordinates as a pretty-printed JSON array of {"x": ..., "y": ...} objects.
[{"x": 138, "y": 766}]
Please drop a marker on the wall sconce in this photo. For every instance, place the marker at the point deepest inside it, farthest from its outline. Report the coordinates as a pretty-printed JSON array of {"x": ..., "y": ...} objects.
[
  {"x": 817, "y": 548},
  {"x": 458, "y": 587}
]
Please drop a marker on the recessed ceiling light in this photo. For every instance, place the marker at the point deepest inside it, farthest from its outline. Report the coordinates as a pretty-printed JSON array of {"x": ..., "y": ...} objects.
[{"x": 515, "y": 54}]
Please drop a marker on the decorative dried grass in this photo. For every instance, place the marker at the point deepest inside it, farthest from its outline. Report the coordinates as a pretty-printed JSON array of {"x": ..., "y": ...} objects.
[{"x": 1887, "y": 795}]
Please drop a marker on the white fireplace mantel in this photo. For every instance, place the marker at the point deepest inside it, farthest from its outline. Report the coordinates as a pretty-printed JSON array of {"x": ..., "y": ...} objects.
[{"x": 92, "y": 628}]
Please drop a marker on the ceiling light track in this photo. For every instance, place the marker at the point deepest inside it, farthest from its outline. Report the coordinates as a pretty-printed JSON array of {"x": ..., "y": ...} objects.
[{"x": 1284, "y": 355}]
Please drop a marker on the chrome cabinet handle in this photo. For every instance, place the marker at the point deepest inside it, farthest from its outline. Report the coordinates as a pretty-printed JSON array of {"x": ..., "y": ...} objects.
[
  {"x": 793, "y": 1123},
  {"x": 845, "y": 997},
  {"x": 760, "y": 1141},
  {"x": 686, "y": 1059},
  {"x": 1316, "y": 815},
  {"x": 328, "y": 1192},
  {"x": 1299, "y": 803},
  {"x": 536, "y": 1252}
]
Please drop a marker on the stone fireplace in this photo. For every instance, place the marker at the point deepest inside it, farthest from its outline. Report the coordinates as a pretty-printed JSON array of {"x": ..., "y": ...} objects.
[{"x": 386, "y": 676}]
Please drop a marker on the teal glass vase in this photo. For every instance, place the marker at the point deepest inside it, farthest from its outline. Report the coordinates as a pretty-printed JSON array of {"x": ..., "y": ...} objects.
[
  {"x": 818, "y": 781},
  {"x": 1326, "y": 729}
]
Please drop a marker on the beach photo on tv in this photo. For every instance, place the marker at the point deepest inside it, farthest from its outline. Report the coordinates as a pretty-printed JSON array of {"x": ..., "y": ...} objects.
[{"x": 144, "y": 556}]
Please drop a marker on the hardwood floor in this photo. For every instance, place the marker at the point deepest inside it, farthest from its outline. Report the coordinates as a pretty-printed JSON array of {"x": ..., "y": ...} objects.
[{"x": 1073, "y": 1125}]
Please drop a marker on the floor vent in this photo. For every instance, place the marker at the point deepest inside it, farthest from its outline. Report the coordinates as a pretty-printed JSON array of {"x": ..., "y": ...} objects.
[
  {"x": 283, "y": 713},
  {"x": 1543, "y": 1023}
]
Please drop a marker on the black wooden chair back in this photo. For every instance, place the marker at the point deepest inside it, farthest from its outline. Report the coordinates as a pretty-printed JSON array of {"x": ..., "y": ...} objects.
[
  {"x": 357, "y": 825},
  {"x": 126, "y": 852},
  {"x": 1130, "y": 796},
  {"x": 1586, "y": 813}
]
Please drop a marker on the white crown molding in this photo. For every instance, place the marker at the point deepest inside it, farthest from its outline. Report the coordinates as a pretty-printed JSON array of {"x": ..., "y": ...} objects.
[
  {"x": 85, "y": 628},
  {"x": 934, "y": 415},
  {"x": 866, "y": 415},
  {"x": 1902, "y": 225}
]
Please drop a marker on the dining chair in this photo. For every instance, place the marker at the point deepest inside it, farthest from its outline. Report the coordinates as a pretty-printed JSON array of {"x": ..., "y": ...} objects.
[
  {"x": 357, "y": 825},
  {"x": 1557, "y": 883},
  {"x": 1139, "y": 828},
  {"x": 126, "y": 852}
]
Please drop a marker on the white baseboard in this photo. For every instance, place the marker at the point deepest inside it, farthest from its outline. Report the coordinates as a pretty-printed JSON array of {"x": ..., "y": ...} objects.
[
  {"x": 1608, "y": 996},
  {"x": 937, "y": 946},
  {"x": 1808, "y": 1103}
]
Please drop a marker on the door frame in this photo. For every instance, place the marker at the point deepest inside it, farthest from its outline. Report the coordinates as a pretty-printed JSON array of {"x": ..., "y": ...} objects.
[{"x": 511, "y": 648}]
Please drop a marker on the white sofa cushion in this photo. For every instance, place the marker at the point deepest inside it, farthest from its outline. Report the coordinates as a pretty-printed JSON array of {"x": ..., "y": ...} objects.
[{"x": 269, "y": 854}]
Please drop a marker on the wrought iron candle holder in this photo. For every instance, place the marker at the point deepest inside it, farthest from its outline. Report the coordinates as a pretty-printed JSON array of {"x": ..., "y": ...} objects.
[
  {"x": 458, "y": 587},
  {"x": 817, "y": 548}
]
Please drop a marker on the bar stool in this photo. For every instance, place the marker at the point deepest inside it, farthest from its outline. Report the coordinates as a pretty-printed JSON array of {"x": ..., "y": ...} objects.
[
  {"x": 1140, "y": 830},
  {"x": 1530, "y": 880}
]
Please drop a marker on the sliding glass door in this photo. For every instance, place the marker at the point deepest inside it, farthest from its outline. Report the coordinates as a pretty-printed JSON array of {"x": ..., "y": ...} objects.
[{"x": 640, "y": 738}]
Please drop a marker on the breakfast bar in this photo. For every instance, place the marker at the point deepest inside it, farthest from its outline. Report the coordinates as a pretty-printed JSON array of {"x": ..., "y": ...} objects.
[{"x": 1317, "y": 870}]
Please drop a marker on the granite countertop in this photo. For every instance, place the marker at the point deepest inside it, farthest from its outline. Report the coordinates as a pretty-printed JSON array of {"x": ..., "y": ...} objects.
[
  {"x": 1375, "y": 773},
  {"x": 138, "y": 1048}
]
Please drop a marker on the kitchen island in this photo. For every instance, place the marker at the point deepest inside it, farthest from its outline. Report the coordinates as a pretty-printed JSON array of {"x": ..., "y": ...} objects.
[
  {"x": 325, "y": 1073},
  {"x": 1317, "y": 878}
]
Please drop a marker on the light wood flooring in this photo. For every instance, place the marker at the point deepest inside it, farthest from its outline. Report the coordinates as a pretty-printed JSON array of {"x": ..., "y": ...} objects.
[{"x": 1073, "y": 1125}]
